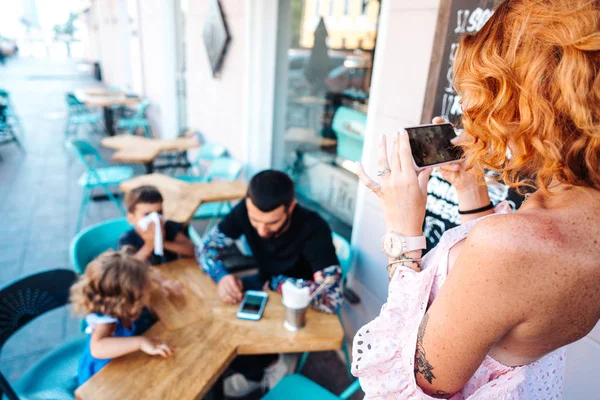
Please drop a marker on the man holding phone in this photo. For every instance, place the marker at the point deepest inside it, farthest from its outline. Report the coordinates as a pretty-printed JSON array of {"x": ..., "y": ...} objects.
[{"x": 289, "y": 243}]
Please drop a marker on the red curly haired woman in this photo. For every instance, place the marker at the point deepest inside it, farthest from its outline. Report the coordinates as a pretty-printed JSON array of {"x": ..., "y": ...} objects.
[{"x": 487, "y": 313}]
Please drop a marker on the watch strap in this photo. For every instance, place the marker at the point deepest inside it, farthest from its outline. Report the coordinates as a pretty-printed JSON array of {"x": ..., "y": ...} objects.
[{"x": 413, "y": 243}]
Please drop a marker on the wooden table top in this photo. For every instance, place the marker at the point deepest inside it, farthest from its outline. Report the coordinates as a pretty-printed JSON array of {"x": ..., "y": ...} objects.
[
  {"x": 139, "y": 149},
  {"x": 96, "y": 97},
  {"x": 182, "y": 199},
  {"x": 206, "y": 336}
]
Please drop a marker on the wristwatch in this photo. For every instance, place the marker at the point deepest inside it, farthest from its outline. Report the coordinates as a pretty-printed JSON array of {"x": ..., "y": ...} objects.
[{"x": 395, "y": 244}]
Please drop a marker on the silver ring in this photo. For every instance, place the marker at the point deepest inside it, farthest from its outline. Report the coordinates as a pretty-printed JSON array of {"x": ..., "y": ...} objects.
[
  {"x": 376, "y": 187},
  {"x": 384, "y": 171}
]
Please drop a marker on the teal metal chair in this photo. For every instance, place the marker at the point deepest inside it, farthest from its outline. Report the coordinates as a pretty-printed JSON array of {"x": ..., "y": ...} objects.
[
  {"x": 78, "y": 115},
  {"x": 12, "y": 118},
  {"x": 343, "y": 250},
  {"x": 137, "y": 121},
  {"x": 298, "y": 387},
  {"x": 221, "y": 169},
  {"x": 94, "y": 240},
  {"x": 97, "y": 175},
  {"x": 207, "y": 153},
  {"x": 8, "y": 135},
  {"x": 55, "y": 376}
]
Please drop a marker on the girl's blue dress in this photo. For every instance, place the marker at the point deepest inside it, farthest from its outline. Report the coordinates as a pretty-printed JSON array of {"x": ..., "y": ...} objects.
[{"x": 89, "y": 365}]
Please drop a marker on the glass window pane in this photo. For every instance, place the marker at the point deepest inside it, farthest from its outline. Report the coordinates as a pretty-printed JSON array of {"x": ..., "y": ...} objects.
[{"x": 328, "y": 85}]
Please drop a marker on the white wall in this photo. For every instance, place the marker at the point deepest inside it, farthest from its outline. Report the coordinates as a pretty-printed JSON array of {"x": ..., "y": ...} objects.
[
  {"x": 402, "y": 56},
  {"x": 110, "y": 49},
  {"x": 157, "y": 36},
  {"x": 157, "y": 46},
  {"x": 216, "y": 106}
]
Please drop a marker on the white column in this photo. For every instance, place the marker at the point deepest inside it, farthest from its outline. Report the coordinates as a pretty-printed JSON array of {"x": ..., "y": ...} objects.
[
  {"x": 261, "y": 45},
  {"x": 157, "y": 34},
  {"x": 402, "y": 56}
]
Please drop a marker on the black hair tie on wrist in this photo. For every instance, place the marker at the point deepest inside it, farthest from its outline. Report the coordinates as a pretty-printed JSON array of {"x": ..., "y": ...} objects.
[{"x": 477, "y": 210}]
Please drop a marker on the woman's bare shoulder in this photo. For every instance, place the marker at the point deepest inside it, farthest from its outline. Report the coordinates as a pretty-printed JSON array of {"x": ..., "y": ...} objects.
[{"x": 511, "y": 233}]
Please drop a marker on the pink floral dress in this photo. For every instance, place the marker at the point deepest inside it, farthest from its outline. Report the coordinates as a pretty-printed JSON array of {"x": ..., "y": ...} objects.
[{"x": 384, "y": 349}]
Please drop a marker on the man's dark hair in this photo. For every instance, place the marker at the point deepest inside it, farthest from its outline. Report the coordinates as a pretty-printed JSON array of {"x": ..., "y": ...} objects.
[
  {"x": 143, "y": 194},
  {"x": 270, "y": 189}
]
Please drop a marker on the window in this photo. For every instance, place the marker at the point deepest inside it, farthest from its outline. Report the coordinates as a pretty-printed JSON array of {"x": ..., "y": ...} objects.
[
  {"x": 365, "y": 6},
  {"x": 320, "y": 122},
  {"x": 318, "y": 8}
]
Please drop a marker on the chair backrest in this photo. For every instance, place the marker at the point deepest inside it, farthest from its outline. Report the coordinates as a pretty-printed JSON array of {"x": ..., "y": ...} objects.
[
  {"x": 142, "y": 107},
  {"x": 350, "y": 390},
  {"x": 72, "y": 101},
  {"x": 84, "y": 151},
  {"x": 223, "y": 168},
  {"x": 93, "y": 241},
  {"x": 26, "y": 299},
  {"x": 32, "y": 296},
  {"x": 343, "y": 250},
  {"x": 210, "y": 151}
]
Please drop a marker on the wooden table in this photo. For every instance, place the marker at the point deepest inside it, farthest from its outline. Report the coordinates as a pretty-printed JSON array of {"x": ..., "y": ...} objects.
[
  {"x": 206, "y": 336},
  {"x": 139, "y": 149},
  {"x": 182, "y": 199},
  {"x": 105, "y": 99}
]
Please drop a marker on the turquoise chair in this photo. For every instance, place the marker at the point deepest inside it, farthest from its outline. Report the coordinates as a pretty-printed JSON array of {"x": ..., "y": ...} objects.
[
  {"x": 55, "y": 376},
  {"x": 79, "y": 116},
  {"x": 137, "y": 121},
  {"x": 298, "y": 387},
  {"x": 207, "y": 153},
  {"x": 12, "y": 117},
  {"x": 343, "y": 250},
  {"x": 98, "y": 175},
  {"x": 94, "y": 240},
  {"x": 8, "y": 135},
  {"x": 221, "y": 169},
  {"x": 195, "y": 236}
]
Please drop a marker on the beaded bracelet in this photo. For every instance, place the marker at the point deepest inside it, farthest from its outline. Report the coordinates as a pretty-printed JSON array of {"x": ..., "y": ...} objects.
[{"x": 392, "y": 266}]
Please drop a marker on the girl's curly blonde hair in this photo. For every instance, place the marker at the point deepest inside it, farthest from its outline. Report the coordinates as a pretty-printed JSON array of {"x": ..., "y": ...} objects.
[
  {"x": 113, "y": 284},
  {"x": 530, "y": 82}
]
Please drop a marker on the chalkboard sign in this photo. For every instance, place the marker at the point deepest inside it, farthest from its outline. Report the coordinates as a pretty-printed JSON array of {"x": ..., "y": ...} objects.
[{"x": 456, "y": 17}]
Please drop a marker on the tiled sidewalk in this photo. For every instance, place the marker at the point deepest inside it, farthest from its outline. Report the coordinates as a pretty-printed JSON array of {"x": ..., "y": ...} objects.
[{"x": 39, "y": 196}]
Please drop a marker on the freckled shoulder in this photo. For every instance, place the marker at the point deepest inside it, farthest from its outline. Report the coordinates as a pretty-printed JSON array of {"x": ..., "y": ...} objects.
[{"x": 510, "y": 246}]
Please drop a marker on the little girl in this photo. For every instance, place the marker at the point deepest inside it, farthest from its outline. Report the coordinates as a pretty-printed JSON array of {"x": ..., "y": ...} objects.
[{"x": 112, "y": 294}]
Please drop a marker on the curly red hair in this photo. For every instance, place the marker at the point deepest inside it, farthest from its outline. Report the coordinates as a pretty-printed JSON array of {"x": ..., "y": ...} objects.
[
  {"x": 530, "y": 82},
  {"x": 113, "y": 284}
]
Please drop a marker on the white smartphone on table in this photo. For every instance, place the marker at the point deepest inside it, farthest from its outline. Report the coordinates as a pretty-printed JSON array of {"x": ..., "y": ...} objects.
[
  {"x": 253, "y": 305},
  {"x": 431, "y": 145}
]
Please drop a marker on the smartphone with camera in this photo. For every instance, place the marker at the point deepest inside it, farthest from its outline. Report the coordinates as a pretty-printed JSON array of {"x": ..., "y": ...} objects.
[
  {"x": 431, "y": 145},
  {"x": 253, "y": 305}
]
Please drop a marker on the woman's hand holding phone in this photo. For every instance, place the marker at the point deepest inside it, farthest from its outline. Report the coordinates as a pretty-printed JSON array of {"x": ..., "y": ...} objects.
[
  {"x": 402, "y": 191},
  {"x": 471, "y": 195},
  {"x": 455, "y": 172}
]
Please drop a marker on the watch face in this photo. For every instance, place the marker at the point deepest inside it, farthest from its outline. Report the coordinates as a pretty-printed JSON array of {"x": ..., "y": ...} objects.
[{"x": 392, "y": 245}]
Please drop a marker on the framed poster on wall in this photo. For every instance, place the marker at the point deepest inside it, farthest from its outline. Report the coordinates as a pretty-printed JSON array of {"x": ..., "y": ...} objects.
[
  {"x": 455, "y": 18},
  {"x": 216, "y": 36}
]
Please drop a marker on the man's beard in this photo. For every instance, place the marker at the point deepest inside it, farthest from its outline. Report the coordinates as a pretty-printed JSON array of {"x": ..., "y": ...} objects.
[{"x": 284, "y": 227}]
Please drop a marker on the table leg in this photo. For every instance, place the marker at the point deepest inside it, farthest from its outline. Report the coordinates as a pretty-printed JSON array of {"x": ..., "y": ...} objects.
[{"x": 109, "y": 121}]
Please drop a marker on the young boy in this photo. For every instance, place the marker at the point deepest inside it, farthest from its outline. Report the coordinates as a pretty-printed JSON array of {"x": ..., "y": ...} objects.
[{"x": 140, "y": 202}]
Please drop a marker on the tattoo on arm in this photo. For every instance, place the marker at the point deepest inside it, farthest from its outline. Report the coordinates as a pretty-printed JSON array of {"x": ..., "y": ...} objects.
[{"x": 422, "y": 366}]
